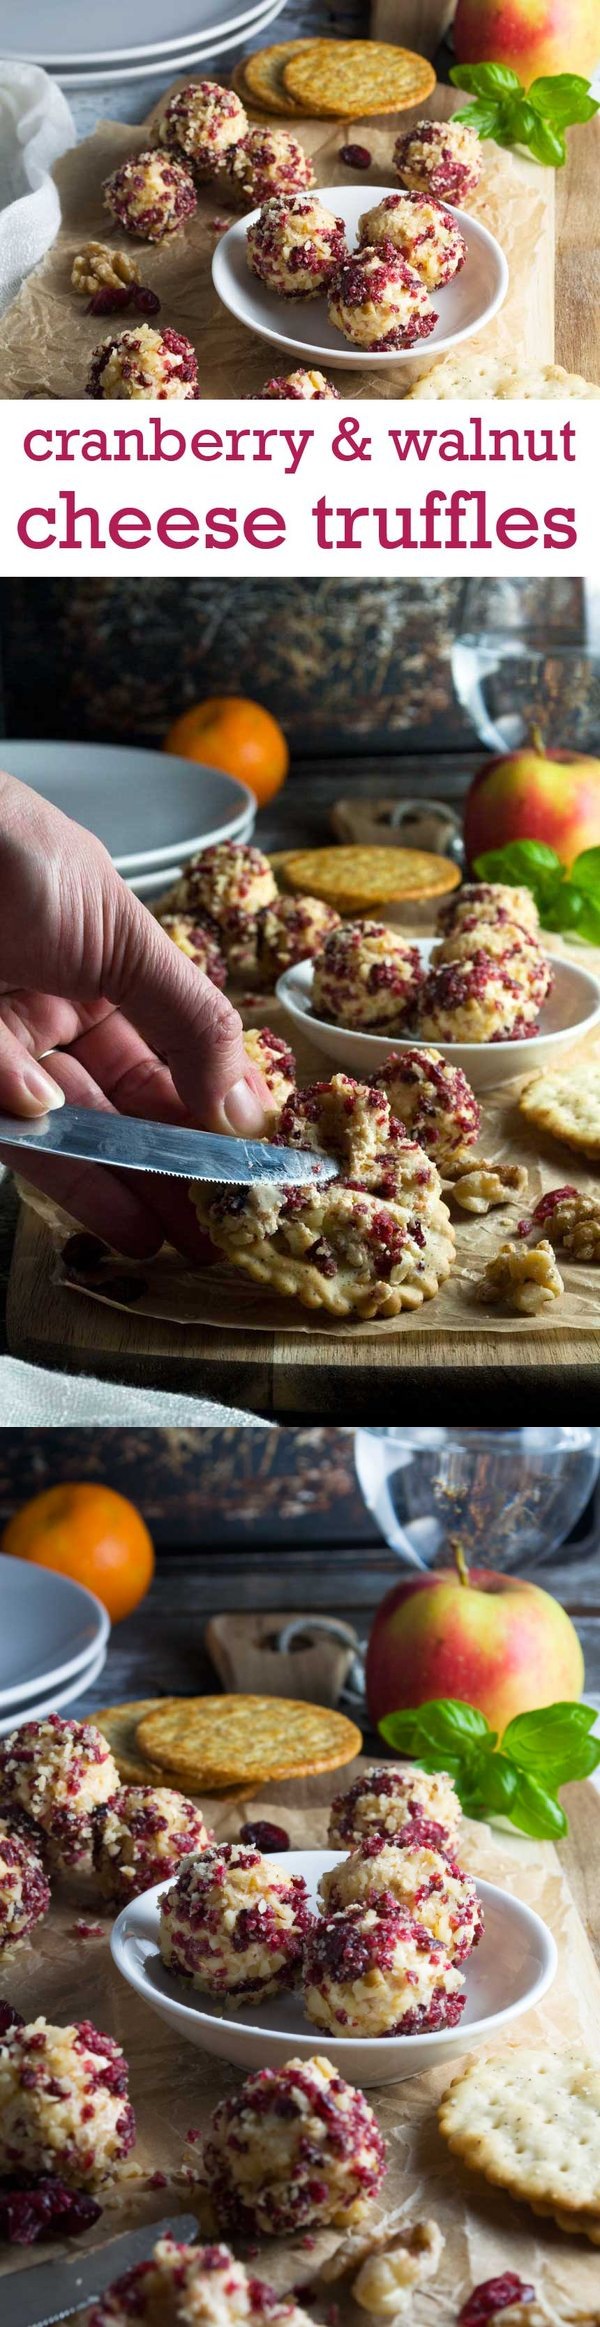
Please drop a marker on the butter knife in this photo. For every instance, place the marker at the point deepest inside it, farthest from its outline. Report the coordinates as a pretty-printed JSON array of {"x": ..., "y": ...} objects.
[
  {"x": 136, "y": 1146},
  {"x": 54, "y": 2290}
]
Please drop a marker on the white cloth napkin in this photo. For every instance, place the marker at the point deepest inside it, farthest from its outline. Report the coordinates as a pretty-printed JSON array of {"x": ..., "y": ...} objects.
[
  {"x": 36, "y": 127},
  {"x": 31, "y": 1396}
]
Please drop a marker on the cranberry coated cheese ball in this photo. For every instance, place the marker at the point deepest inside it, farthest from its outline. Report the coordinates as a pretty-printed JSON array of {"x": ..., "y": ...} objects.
[
  {"x": 150, "y": 195},
  {"x": 439, "y": 157},
  {"x": 275, "y": 1062},
  {"x": 266, "y": 162},
  {"x": 144, "y": 366},
  {"x": 474, "y": 1001},
  {"x": 290, "y": 930},
  {"x": 367, "y": 976},
  {"x": 423, "y": 231},
  {"x": 429, "y": 1886},
  {"x": 63, "y": 2103},
  {"x": 193, "y": 2286},
  {"x": 200, "y": 944},
  {"x": 488, "y": 901},
  {"x": 354, "y": 1123},
  {"x": 233, "y": 878},
  {"x": 234, "y": 1924},
  {"x": 433, "y": 1100},
  {"x": 378, "y": 301},
  {"x": 296, "y": 2147},
  {"x": 300, "y": 387},
  {"x": 296, "y": 245},
  {"x": 502, "y": 942},
  {"x": 371, "y": 1974},
  {"x": 24, "y": 1891},
  {"x": 202, "y": 123},
  {"x": 384, "y": 1800},
  {"x": 60, "y": 1772},
  {"x": 141, "y": 1837}
]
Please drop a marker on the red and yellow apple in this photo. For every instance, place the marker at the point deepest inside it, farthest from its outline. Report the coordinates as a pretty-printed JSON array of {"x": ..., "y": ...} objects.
[
  {"x": 534, "y": 795},
  {"x": 496, "y": 1642},
  {"x": 534, "y": 37}
]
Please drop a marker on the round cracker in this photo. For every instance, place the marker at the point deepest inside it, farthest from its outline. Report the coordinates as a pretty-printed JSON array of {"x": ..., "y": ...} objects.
[
  {"x": 357, "y": 878},
  {"x": 566, "y": 1103},
  {"x": 263, "y": 75},
  {"x": 354, "y": 78},
  {"x": 118, "y": 1724},
  {"x": 222, "y": 1741},
  {"x": 529, "y": 2120}
]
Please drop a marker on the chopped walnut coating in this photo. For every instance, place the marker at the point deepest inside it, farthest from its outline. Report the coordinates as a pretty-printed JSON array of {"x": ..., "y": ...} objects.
[
  {"x": 477, "y": 1185},
  {"x": 527, "y": 1281},
  {"x": 97, "y": 266},
  {"x": 571, "y": 1223},
  {"x": 387, "y": 2279}
]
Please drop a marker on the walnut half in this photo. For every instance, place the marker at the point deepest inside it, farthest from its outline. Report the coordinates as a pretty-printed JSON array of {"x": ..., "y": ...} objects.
[
  {"x": 387, "y": 2279},
  {"x": 96, "y": 267},
  {"x": 477, "y": 1184},
  {"x": 572, "y": 1223},
  {"x": 526, "y": 1281}
]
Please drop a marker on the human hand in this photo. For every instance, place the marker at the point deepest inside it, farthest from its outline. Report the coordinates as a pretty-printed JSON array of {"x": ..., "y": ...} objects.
[{"x": 133, "y": 1026}]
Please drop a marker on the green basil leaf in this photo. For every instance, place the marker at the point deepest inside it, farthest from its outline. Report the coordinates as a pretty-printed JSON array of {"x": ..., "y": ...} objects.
[
  {"x": 498, "y": 1784},
  {"x": 536, "y": 1811},
  {"x": 400, "y": 1730},
  {"x": 563, "y": 98},
  {"x": 553, "y": 1742},
  {"x": 545, "y": 142},
  {"x": 524, "y": 861},
  {"x": 486, "y": 80},
  {"x": 447, "y": 1722},
  {"x": 585, "y": 872},
  {"x": 572, "y": 909},
  {"x": 483, "y": 116}
]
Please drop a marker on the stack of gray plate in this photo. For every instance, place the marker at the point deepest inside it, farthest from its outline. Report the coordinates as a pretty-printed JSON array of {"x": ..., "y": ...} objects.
[
  {"x": 53, "y": 1642},
  {"x": 83, "y": 48},
  {"x": 152, "y": 811}
]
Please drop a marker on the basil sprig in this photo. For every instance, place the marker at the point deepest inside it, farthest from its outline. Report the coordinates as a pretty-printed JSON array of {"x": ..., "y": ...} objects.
[
  {"x": 566, "y": 900},
  {"x": 534, "y": 118},
  {"x": 517, "y": 1774}
]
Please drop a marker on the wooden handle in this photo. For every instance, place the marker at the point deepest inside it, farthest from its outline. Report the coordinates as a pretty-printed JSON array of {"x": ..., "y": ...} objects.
[{"x": 244, "y": 1652}]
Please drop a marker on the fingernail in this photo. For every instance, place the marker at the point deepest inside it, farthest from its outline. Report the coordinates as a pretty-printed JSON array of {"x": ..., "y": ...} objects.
[
  {"x": 39, "y": 1087},
  {"x": 243, "y": 1110}
]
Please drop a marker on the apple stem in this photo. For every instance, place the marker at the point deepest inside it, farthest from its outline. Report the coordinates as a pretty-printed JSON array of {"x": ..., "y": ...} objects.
[
  {"x": 459, "y": 1559},
  {"x": 536, "y": 739}
]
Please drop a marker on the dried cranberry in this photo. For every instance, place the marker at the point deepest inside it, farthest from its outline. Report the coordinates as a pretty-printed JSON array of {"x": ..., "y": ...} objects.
[
  {"x": 110, "y": 298},
  {"x": 494, "y": 2295},
  {"x": 356, "y": 157},
  {"x": 264, "y": 1835},
  {"x": 36, "y": 2209},
  {"x": 146, "y": 301},
  {"x": 9, "y": 2018}
]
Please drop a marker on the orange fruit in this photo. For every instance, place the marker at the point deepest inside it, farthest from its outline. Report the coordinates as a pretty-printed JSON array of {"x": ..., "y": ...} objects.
[
  {"x": 90, "y": 1534},
  {"x": 231, "y": 732}
]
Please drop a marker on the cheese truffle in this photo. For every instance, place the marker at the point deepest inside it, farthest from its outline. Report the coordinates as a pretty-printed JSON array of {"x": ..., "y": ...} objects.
[
  {"x": 301, "y": 387},
  {"x": 63, "y": 2104},
  {"x": 266, "y": 162},
  {"x": 193, "y": 2286},
  {"x": 366, "y": 976},
  {"x": 203, "y": 123},
  {"x": 378, "y": 301},
  {"x": 371, "y": 1974},
  {"x": 425, "y": 233},
  {"x": 290, "y": 930},
  {"x": 230, "y": 879},
  {"x": 488, "y": 901},
  {"x": 474, "y": 1001},
  {"x": 504, "y": 942},
  {"x": 296, "y": 245},
  {"x": 140, "y": 1838},
  {"x": 144, "y": 366},
  {"x": 433, "y": 1100},
  {"x": 150, "y": 195},
  {"x": 439, "y": 157},
  {"x": 354, "y": 1123},
  {"x": 383, "y": 1801},
  {"x": 296, "y": 2147},
  {"x": 24, "y": 1891},
  {"x": 200, "y": 944},
  {"x": 234, "y": 1924},
  {"x": 60, "y": 1772},
  {"x": 429, "y": 1886},
  {"x": 275, "y": 1062}
]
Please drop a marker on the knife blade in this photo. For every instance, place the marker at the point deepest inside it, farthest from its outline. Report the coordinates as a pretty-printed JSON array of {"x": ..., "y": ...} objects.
[
  {"x": 54, "y": 2290},
  {"x": 136, "y": 1146}
]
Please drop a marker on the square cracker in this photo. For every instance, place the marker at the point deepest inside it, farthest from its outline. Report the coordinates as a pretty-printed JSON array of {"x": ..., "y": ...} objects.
[{"x": 530, "y": 2122}]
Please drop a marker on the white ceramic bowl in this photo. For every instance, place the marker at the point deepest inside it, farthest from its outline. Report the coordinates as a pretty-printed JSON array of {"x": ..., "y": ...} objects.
[
  {"x": 508, "y": 1973},
  {"x": 571, "y": 1010},
  {"x": 302, "y": 326}
]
